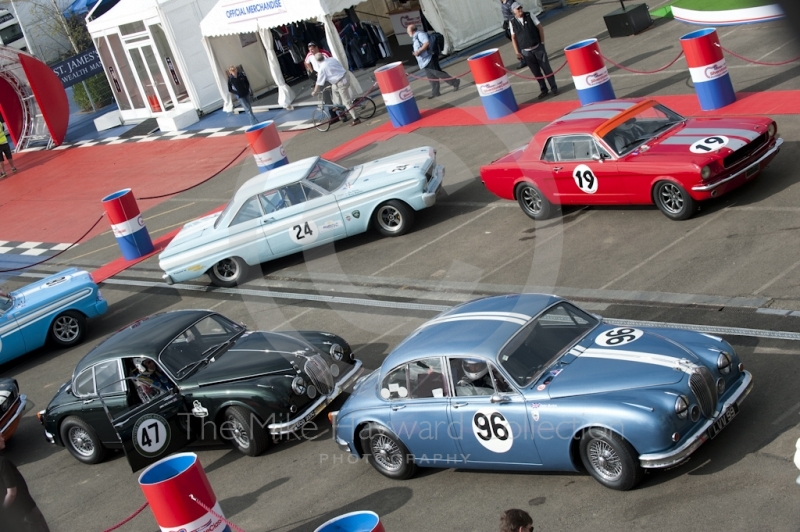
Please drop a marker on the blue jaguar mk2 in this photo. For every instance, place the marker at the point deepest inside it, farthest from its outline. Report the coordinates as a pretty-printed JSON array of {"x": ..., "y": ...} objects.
[
  {"x": 532, "y": 382},
  {"x": 54, "y": 308}
]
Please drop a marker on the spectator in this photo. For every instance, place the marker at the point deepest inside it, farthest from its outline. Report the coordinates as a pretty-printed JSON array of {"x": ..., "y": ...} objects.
[
  {"x": 505, "y": 9},
  {"x": 5, "y": 150},
  {"x": 312, "y": 65},
  {"x": 427, "y": 65},
  {"x": 527, "y": 36},
  {"x": 515, "y": 520},
  {"x": 239, "y": 85},
  {"x": 19, "y": 511},
  {"x": 332, "y": 71}
]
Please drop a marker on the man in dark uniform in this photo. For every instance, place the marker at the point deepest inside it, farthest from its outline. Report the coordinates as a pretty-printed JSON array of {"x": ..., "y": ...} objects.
[
  {"x": 18, "y": 511},
  {"x": 527, "y": 36},
  {"x": 505, "y": 9}
]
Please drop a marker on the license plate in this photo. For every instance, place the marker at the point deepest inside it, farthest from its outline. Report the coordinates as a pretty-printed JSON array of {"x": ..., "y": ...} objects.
[
  {"x": 723, "y": 420},
  {"x": 753, "y": 170}
]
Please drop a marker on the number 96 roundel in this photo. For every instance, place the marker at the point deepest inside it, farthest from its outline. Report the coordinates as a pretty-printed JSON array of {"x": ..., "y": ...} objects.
[
  {"x": 492, "y": 430},
  {"x": 619, "y": 336}
]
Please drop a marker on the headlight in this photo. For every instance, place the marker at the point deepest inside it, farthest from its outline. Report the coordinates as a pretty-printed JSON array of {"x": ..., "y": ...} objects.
[
  {"x": 771, "y": 130},
  {"x": 337, "y": 353},
  {"x": 705, "y": 172},
  {"x": 724, "y": 363},
  {"x": 681, "y": 406},
  {"x": 299, "y": 386},
  {"x": 720, "y": 386}
]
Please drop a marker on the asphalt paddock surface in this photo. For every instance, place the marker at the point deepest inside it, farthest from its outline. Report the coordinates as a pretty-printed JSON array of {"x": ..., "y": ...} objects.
[{"x": 734, "y": 265}]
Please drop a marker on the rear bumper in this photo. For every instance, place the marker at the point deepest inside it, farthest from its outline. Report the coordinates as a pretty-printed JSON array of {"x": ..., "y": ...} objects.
[
  {"x": 740, "y": 177},
  {"x": 692, "y": 443}
]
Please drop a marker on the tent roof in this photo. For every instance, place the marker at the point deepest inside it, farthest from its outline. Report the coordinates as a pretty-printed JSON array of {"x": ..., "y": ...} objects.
[
  {"x": 125, "y": 12},
  {"x": 230, "y": 17}
]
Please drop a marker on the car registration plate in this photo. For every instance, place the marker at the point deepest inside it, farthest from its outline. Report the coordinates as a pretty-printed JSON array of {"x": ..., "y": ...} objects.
[
  {"x": 723, "y": 420},
  {"x": 752, "y": 170}
]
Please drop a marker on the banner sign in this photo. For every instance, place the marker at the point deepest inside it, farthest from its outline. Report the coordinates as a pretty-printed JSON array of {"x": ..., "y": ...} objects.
[
  {"x": 78, "y": 67},
  {"x": 241, "y": 10}
]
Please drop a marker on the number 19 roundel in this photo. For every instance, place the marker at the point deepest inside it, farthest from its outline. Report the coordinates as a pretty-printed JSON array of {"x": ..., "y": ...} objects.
[
  {"x": 492, "y": 430},
  {"x": 585, "y": 179}
]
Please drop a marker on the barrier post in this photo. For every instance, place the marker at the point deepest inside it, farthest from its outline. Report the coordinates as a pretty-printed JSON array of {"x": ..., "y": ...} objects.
[
  {"x": 589, "y": 72},
  {"x": 167, "y": 485},
  {"x": 353, "y": 522},
  {"x": 710, "y": 76},
  {"x": 492, "y": 82},
  {"x": 397, "y": 94},
  {"x": 266, "y": 145},
  {"x": 127, "y": 224}
]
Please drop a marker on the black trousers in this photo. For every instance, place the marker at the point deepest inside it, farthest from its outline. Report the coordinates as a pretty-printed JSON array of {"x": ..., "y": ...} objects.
[{"x": 537, "y": 61}]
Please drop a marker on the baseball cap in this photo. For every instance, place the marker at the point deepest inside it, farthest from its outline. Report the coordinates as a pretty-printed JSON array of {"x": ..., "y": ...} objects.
[
  {"x": 312, "y": 43},
  {"x": 516, "y": 5}
]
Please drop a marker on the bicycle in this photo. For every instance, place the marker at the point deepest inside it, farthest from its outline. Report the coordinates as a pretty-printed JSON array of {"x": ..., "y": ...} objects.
[{"x": 327, "y": 113}]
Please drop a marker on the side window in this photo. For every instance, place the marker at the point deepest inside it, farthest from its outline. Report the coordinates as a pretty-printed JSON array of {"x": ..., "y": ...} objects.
[
  {"x": 84, "y": 383},
  {"x": 249, "y": 211},
  {"x": 471, "y": 377},
  {"x": 602, "y": 151},
  {"x": 549, "y": 151},
  {"x": 293, "y": 194},
  {"x": 500, "y": 382},
  {"x": 564, "y": 149},
  {"x": 210, "y": 327},
  {"x": 108, "y": 378},
  {"x": 312, "y": 193},
  {"x": 395, "y": 385},
  {"x": 583, "y": 148},
  {"x": 426, "y": 378}
]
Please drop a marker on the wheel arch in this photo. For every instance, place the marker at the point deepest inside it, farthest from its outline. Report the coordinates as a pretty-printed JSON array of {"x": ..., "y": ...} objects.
[
  {"x": 656, "y": 180},
  {"x": 357, "y": 440}
]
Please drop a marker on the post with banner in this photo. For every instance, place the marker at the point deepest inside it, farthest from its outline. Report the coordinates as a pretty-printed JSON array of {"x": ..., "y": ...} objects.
[
  {"x": 712, "y": 83},
  {"x": 589, "y": 72},
  {"x": 397, "y": 94},
  {"x": 492, "y": 82}
]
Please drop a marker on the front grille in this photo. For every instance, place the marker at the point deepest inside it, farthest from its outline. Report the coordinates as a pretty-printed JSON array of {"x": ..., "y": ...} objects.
[
  {"x": 319, "y": 373},
  {"x": 705, "y": 390},
  {"x": 745, "y": 151}
]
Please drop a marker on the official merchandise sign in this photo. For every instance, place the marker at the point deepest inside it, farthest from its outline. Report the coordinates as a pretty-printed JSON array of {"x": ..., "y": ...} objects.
[
  {"x": 239, "y": 11},
  {"x": 78, "y": 67},
  {"x": 400, "y": 22}
]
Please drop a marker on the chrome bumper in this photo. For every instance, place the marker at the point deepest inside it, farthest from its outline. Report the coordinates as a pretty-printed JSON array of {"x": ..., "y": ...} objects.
[
  {"x": 23, "y": 399},
  {"x": 278, "y": 429},
  {"x": 774, "y": 149},
  {"x": 671, "y": 458},
  {"x": 49, "y": 437},
  {"x": 168, "y": 279},
  {"x": 343, "y": 445},
  {"x": 434, "y": 186}
]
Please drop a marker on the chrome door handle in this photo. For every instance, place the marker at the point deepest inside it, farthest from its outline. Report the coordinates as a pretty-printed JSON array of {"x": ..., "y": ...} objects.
[
  {"x": 459, "y": 405},
  {"x": 269, "y": 221},
  {"x": 398, "y": 407},
  {"x": 557, "y": 168},
  {"x": 86, "y": 402}
]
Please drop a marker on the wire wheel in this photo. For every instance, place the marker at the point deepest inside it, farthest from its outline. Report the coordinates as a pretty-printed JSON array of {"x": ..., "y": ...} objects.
[
  {"x": 365, "y": 108},
  {"x": 239, "y": 432},
  {"x": 605, "y": 460},
  {"x": 321, "y": 119},
  {"x": 81, "y": 441},
  {"x": 386, "y": 453},
  {"x": 66, "y": 328}
]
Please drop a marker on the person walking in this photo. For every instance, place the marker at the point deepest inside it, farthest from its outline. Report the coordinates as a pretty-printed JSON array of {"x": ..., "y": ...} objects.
[
  {"x": 515, "y": 520},
  {"x": 508, "y": 14},
  {"x": 527, "y": 36},
  {"x": 5, "y": 150},
  {"x": 427, "y": 64},
  {"x": 332, "y": 71},
  {"x": 18, "y": 511},
  {"x": 239, "y": 85}
]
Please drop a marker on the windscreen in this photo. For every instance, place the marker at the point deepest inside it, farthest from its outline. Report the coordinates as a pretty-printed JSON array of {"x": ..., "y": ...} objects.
[
  {"x": 641, "y": 127},
  {"x": 191, "y": 346},
  {"x": 327, "y": 175}
]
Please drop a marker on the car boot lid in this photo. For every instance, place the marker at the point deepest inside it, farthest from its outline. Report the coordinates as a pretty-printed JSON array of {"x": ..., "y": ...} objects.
[{"x": 48, "y": 287}]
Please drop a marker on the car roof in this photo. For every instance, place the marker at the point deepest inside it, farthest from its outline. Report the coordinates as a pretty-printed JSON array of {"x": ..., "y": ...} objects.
[
  {"x": 145, "y": 337},
  {"x": 479, "y": 328},
  {"x": 590, "y": 117},
  {"x": 278, "y": 177}
]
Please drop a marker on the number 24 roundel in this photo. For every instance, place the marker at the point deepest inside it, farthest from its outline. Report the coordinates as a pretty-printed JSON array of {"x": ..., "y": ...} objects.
[{"x": 585, "y": 179}]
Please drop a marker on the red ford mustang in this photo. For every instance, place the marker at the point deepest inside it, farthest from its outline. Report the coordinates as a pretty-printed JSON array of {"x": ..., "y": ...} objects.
[{"x": 633, "y": 152}]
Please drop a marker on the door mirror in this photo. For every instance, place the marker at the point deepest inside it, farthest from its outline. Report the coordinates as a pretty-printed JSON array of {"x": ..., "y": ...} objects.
[
  {"x": 596, "y": 157},
  {"x": 498, "y": 398}
]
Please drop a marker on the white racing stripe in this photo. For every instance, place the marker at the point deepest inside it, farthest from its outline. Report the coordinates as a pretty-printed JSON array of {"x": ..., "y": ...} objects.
[
  {"x": 511, "y": 317},
  {"x": 643, "y": 358}
]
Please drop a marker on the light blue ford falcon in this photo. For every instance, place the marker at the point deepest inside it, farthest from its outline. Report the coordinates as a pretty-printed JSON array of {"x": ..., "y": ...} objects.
[
  {"x": 532, "y": 382},
  {"x": 54, "y": 308},
  {"x": 300, "y": 206}
]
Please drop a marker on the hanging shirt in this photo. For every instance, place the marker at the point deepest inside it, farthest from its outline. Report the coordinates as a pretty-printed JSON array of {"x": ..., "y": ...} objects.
[{"x": 330, "y": 71}]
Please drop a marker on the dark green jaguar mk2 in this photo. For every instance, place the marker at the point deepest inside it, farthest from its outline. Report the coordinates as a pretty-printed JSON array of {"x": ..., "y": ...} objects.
[{"x": 214, "y": 378}]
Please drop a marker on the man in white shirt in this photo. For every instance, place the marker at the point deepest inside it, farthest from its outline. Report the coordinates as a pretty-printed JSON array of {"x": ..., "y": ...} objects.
[{"x": 331, "y": 71}]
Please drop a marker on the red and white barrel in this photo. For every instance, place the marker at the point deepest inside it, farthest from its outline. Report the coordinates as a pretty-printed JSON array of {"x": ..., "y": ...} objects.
[
  {"x": 266, "y": 145},
  {"x": 589, "y": 72},
  {"x": 353, "y": 522},
  {"x": 492, "y": 82},
  {"x": 127, "y": 224},
  {"x": 397, "y": 94},
  {"x": 167, "y": 486},
  {"x": 712, "y": 83}
]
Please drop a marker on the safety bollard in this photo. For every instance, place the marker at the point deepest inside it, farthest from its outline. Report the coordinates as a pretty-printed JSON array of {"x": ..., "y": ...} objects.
[
  {"x": 266, "y": 145},
  {"x": 492, "y": 82},
  {"x": 353, "y": 522},
  {"x": 167, "y": 486},
  {"x": 127, "y": 224},
  {"x": 712, "y": 83},
  {"x": 397, "y": 94},
  {"x": 589, "y": 72}
]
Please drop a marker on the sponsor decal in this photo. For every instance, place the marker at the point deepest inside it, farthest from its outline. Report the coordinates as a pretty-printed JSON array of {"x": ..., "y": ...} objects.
[
  {"x": 140, "y": 220},
  {"x": 492, "y": 430},
  {"x": 347, "y": 218},
  {"x": 151, "y": 435},
  {"x": 618, "y": 336},
  {"x": 356, "y": 214},
  {"x": 55, "y": 281},
  {"x": 535, "y": 415},
  {"x": 199, "y": 410},
  {"x": 535, "y": 405},
  {"x": 195, "y": 268},
  {"x": 331, "y": 224},
  {"x": 541, "y": 387},
  {"x": 597, "y": 78},
  {"x": 716, "y": 70},
  {"x": 555, "y": 372},
  {"x": 493, "y": 87},
  {"x": 405, "y": 94}
]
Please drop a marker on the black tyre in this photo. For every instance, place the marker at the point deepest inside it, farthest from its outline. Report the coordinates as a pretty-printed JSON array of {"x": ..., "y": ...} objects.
[
  {"x": 365, "y": 108},
  {"x": 393, "y": 218},
  {"x": 81, "y": 441},
  {"x": 533, "y": 202},
  {"x": 321, "y": 119},
  {"x": 245, "y": 431},
  {"x": 610, "y": 459},
  {"x": 387, "y": 454},
  {"x": 68, "y": 328},
  {"x": 674, "y": 201},
  {"x": 227, "y": 273}
]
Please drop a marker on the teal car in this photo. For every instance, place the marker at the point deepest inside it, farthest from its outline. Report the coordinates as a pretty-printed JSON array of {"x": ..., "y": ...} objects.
[
  {"x": 300, "y": 206},
  {"x": 55, "y": 308}
]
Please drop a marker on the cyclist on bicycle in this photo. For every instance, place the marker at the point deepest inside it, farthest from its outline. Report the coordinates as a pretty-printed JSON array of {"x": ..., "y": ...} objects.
[{"x": 332, "y": 71}]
